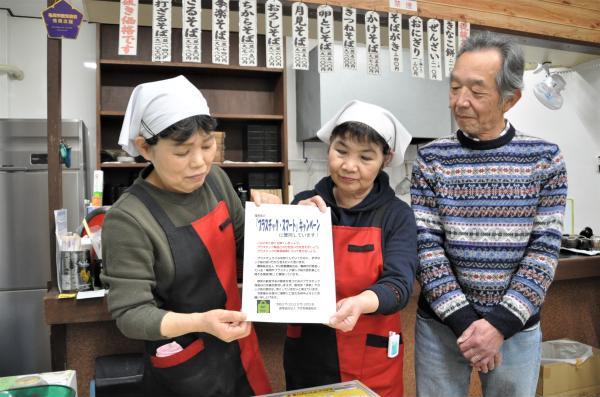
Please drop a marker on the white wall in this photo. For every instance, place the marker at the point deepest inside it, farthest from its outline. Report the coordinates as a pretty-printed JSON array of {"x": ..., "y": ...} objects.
[
  {"x": 25, "y": 47},
  {"x": 3, "y": 60},
  {"x": 576, "y": 129}
]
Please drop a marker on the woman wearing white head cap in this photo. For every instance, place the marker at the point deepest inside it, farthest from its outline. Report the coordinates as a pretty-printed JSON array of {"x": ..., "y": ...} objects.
[
  {"x": 375, "y": 253},
  {"x": 170, "y": 245}
]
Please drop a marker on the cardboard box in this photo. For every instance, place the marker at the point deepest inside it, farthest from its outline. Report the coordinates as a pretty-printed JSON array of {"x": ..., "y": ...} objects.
[
  {"x": 62, "y": 378},
  {"x": 568, "y": 380},
  {"x": 220, "y": 139},
  {"x": 352, "y": 388}
]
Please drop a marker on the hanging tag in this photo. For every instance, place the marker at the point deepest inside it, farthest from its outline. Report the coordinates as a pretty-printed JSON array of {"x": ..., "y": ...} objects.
[
  {"x": 274, "y": 33},
  {"x": 220, "y": 32},
  {"x": 128, "y": 27},
  {"x": 373, "y": 31},
  {"x": 449, "y": 46},
  {"x": 395, "y": 40},
  {"x": 191, "y": 31},
  {"x": 247, "y": 29},
  {"x": 349, "y": 37},
  {"x": 393, "y": 344},
  {"x": 161, "y": 31},
  {"x": 300, "y": 36},
  {"x": 434, "y": 49},
  {"x": 415, "y": 32},
  {"x": 325, "y": 26},
  {"x": 464, "y": 31}
]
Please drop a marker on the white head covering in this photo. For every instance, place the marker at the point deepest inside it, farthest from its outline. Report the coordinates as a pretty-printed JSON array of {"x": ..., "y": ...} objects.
[
  {"x": 378, "y": 118},
  {"x": 157, "y": 105}
]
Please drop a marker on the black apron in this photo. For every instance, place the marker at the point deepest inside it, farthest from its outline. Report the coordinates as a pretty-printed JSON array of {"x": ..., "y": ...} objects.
[{"x": 204, "y": 255}]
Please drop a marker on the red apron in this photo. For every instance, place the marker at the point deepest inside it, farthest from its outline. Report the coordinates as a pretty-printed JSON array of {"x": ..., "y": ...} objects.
[
  {"x": 204, "y": 254},
  {"x": 361, "y": 353}
]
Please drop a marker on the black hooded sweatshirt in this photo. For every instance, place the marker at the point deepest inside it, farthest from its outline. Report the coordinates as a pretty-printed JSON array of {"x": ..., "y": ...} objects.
[{"x": 398, "y": 235}]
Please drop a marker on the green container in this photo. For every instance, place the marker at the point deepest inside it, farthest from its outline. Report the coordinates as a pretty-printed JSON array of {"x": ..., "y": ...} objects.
[{"x": 40, "y": 391}]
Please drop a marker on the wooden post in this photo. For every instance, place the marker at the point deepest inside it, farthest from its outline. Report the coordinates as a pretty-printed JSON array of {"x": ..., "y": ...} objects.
[{"x": 54, "y": 46}]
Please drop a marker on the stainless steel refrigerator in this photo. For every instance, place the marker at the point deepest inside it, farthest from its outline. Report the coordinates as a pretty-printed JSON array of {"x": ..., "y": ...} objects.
[{"x": 24, "y": 241}]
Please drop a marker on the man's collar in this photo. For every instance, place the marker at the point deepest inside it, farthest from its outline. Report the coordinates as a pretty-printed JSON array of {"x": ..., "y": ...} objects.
[
  {"x": 504, "y": 131},
  {"x": 505, "y": 137}
]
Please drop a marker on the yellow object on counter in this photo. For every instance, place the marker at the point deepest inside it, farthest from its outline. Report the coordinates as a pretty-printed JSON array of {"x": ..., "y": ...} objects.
[
  {"x": 67, "y": 295},
  {"x": 352, "y": 388}
]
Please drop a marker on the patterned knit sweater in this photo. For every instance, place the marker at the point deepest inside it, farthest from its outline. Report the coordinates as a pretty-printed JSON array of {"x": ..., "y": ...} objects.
[{"x": 489, "y": 219}]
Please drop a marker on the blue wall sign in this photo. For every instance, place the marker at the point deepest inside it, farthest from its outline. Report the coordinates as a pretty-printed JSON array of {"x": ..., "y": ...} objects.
[{"x": 62, "y": 20}]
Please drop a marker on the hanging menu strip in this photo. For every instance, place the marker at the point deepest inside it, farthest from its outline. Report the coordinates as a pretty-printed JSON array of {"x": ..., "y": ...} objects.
[
  {"x": 274, "y": 34},
  {"x": 191, "y": 32},
  {"x": 449, "y": 46},
  {"x": 415, "y": 33},
  {"x": 434, "y": 49},
  {"x": 373, "y": 37},
  {"x": 220, "y": 32},
  {"x": 247, "y": 33},
  {"x": 395, "y": 41},
  {"x": 464, "y": 31},
  {"x": 349, "y": 38},
  {"x": 161, "y": 31},
  {"x": 300, "y": 36},
  {"x": 325, "y": 27},
  {"x": 128, "y": 27}
]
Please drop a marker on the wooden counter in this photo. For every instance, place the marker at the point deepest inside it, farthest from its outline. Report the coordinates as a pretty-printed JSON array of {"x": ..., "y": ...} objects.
[
  {"x": 83, "y": 330},
  {"x": 80, "y": 331}
]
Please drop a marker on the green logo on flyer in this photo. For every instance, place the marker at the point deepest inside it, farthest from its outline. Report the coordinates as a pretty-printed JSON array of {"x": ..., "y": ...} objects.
[{"x": 263, "y": 306}]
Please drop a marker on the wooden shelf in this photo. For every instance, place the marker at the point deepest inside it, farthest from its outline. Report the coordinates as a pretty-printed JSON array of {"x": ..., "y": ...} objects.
[
  {"x": 123, "y": 165},
  {"x": 222, "y": 116},
  {"x": 121, "y": 63},
  {"x": 236, "y": 164},
  {"x": 238, "y": 96},
  {"x": 250, "y": 165}
]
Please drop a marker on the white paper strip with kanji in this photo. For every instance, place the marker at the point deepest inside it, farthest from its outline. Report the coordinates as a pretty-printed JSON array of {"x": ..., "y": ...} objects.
[
  {"x": 349, "y": 38},
  {"x": 415, "y": 33},
  {"x": 220, "y": 32},
  {"x": 395, "y": 41},
  {"x": 300, "y": 36},
  {"x": 128, "y": 27},
  {"x": 373, "y": 40},
  {"x": 464, "y": 31},
  {"x": 408, "y": 5},
  {"x": 161, "y": 31},
  {"x": 434, "y": 49},
  {"x": 191, "y": 31},
  {"x": 274, "y": 34},
  {"x": 325, "y": 33},
  {"x": 449, "y": 46},
  {"x": 247, "y": 33}
]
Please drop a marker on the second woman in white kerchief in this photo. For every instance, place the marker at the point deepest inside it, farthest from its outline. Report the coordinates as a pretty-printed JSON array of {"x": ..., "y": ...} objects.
[{"x": 375, "y": 254}]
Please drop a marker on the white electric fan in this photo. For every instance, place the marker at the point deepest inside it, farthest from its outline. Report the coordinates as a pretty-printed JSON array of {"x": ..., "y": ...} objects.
[{"x": 548, "y": 91}]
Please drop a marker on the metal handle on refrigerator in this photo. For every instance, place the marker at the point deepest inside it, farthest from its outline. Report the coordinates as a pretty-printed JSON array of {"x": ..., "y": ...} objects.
[{"x": 12, "y": 169}]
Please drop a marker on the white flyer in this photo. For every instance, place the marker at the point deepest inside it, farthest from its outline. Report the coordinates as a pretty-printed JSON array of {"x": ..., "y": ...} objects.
[{"x": 289, "y": 274}]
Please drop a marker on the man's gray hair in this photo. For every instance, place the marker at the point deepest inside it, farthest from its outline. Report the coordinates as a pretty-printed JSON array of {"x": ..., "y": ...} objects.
[{"x": 510, "y": 76}]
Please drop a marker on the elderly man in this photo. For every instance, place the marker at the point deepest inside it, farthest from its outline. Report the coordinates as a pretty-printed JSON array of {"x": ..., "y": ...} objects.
[{"x": 489, "y": 204}]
